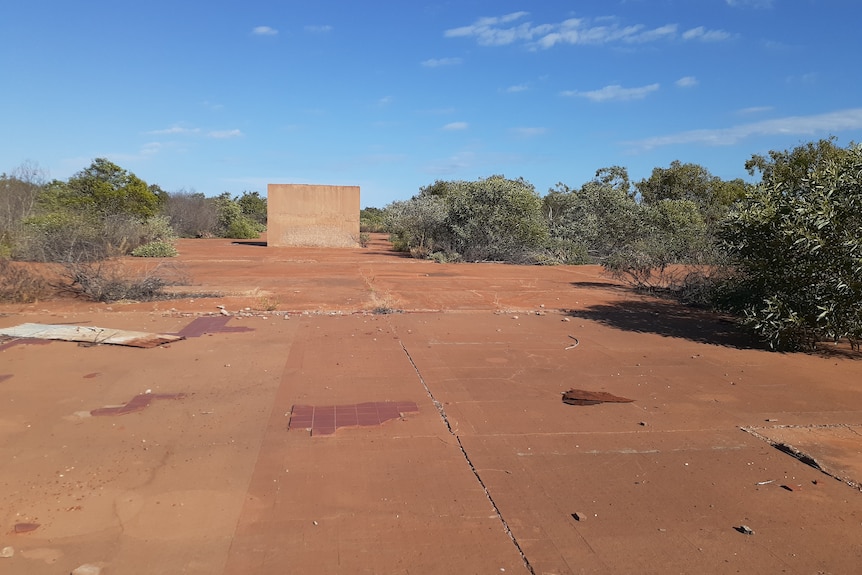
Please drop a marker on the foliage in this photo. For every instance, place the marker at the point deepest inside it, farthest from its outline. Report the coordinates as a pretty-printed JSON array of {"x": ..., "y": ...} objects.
[
  {"x": 232, "y": 222},
  {"x": 253, "y": 207},
  {"x": 372, "y": 220},
  {"x": 107, "y": 281},
  {"x": 155, "y": 249},
  {"x": 796, "y": 242},
  {"x": 191, "y": 214},
  {"x": 598, "y": 219},
  {"x": 414, "y": 224},
  {"x": 103, "y": 188},
  {"x": 495, "y": 219},
  {"x": 20, "y": 283},
  {"x": 712, "y": 195}
]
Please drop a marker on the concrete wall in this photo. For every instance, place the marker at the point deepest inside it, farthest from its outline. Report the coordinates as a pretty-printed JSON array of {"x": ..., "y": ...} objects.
[{"x": 310, "y": 215}]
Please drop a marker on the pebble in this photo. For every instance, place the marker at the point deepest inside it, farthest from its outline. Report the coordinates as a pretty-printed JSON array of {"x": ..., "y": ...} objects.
[
  {"x": 7, "y": 552},
  {"x": 87, "y": 569}
]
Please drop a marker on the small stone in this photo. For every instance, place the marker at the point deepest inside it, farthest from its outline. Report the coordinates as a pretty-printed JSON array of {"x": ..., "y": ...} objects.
[
  {"x": 642, "y": 423},
  {"x": 577, "y": 516},
  {"x": 565, "y": 319},
  {"x": 745, "y": 529},
  {"x": 514, "y": 317},
  {"x": 87, "y": 569},
  {"x": 7, "y": 552},
  {"x": 223, "y": 311}
]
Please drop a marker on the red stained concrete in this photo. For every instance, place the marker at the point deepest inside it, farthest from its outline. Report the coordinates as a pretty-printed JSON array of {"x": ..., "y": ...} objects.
[
  {"x": 326, "y": 419},
  {"x": 484, "y": 478}
]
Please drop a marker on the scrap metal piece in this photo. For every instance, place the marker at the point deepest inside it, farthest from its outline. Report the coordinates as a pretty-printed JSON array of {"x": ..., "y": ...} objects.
[
  {"x": 583, "y": 397},
  {"x": 89, "y": 334}
]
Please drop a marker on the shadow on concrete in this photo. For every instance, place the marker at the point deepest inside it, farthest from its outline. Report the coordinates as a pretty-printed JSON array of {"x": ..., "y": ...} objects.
[{"x": 669, "y": 319}]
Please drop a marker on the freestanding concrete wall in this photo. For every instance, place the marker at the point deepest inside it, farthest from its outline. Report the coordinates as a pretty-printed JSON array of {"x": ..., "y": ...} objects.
[{"x": 312, "y": 215}]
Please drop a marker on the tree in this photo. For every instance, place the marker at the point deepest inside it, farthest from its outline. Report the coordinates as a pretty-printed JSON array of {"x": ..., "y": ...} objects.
[
  {"x": 796, "y": 241},
  {"x": 19, "y": 192},
  {"x": 253, "y": 207},
  {"x": 494, "y": 218},
  {"x": 106, "y": 189},
  {"x": 712, "y": 195},
  {"x": 600, "y": 217}
]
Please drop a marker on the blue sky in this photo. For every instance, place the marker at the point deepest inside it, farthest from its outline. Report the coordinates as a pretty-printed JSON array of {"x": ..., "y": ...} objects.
[{"x": 392, "y": 95}]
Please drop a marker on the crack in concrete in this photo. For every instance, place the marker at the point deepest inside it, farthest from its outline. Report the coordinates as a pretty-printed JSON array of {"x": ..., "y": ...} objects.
[{"x": 442, "y": 412}]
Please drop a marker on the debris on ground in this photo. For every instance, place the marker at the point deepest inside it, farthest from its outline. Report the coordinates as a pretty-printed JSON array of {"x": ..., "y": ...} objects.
[
  {"x": 745, "y": 529},
  {"x": 583, "y": 397},
  {"x": 88, "y": 334},
  {"x": 574, "y": 345}
]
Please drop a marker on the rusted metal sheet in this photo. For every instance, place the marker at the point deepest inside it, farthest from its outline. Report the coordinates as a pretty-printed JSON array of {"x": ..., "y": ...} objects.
[
  {"x": 584, "y": 397},
  {"x": 88, "y": 334}
]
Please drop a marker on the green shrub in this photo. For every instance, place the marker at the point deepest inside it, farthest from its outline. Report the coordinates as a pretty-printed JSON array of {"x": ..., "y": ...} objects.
[
  {"x": 156, "y": 249},
  {"x": 796, "y": 244}
]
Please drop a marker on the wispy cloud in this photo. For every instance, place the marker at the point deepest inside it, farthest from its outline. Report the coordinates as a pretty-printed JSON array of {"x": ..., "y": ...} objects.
[
  {"x": 264, "y": 31},
  {"x": 212, "y": 105},
  {"x": 686, "y": 82},
  {"x": 318, "y": 29},
  {"x": 174, "y": 130},
  {"x": 455, "y": 126},
  {"x": 754, "y": 110},
  {"x": 850, "y": 119},
  {"x": 704, "y": 35},
  {"x": 503, "y": 30},
  {"x": 529, "y": 132},
  {"x": 517, "y": 88},
  {"x": 437, "y": 62},
  {"x": 224, "y": 134},
  {"x": 385, "y": 101},
  {"x": 614, "y": 92}
]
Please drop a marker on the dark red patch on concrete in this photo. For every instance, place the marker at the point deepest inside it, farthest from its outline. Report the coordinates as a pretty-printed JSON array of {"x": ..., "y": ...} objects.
[
  {"x": 137, "y": 403},
  {"x": 325, "y": 419},
  {"x": 5, "y": 376},
  {"x": 211, "y": 324},
  {"x": 23, "y": 341},
  {"x": 583, "y": 397},
  {"x": 25, "y": 527}
]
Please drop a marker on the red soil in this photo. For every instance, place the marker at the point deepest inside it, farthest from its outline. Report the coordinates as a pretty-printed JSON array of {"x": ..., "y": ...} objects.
[{"x": 493, "y": 473}]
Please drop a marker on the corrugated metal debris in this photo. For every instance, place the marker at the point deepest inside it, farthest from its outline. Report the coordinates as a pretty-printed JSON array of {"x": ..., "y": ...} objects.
[{"x": 88, "y": 334}]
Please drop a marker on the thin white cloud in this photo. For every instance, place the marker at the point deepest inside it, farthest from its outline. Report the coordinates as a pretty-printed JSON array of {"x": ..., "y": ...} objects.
[
  {"x": 704, "y": 35},
  {"x": 686, "y": 82},
  {"x": 437, "y": 62},
  {"x": 455, "y": 126},
  {"x": 502, "y": 30},
  {"x": 517, "y": 88},
  {"x": 318, "y": 29},
  {"x": 529, "y": 132},
  {"x": 614, "y": 92},
  {"x": 224, "y": 134},
  {"x": 264, "y": 31},
  {"x": 385, "y": 101},
  {"x": 754, "y": 110},
  {"x": 174, "y": 130},
  {"x": 850, "y": 119}
]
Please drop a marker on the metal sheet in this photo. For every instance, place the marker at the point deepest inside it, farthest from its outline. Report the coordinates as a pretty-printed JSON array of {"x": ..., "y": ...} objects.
[{"x": 88, "y": 334}]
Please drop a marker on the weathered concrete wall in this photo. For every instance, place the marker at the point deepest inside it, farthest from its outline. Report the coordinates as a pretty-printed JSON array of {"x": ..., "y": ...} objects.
[{"x": 312, "y": 215}]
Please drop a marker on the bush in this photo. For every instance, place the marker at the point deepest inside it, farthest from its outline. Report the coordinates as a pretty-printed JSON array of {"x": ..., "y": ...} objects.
[
  {"x": 157, "y": 249},
  {"x": 796, "y": 243},
  {"x": 107, "y": 281},
  {"x": 493, "y": 219},
  {"x": 19, "y": 283}
]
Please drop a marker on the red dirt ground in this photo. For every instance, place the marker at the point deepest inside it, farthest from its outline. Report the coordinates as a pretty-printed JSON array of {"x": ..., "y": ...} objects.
[{"x": 492, "y": 474}]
